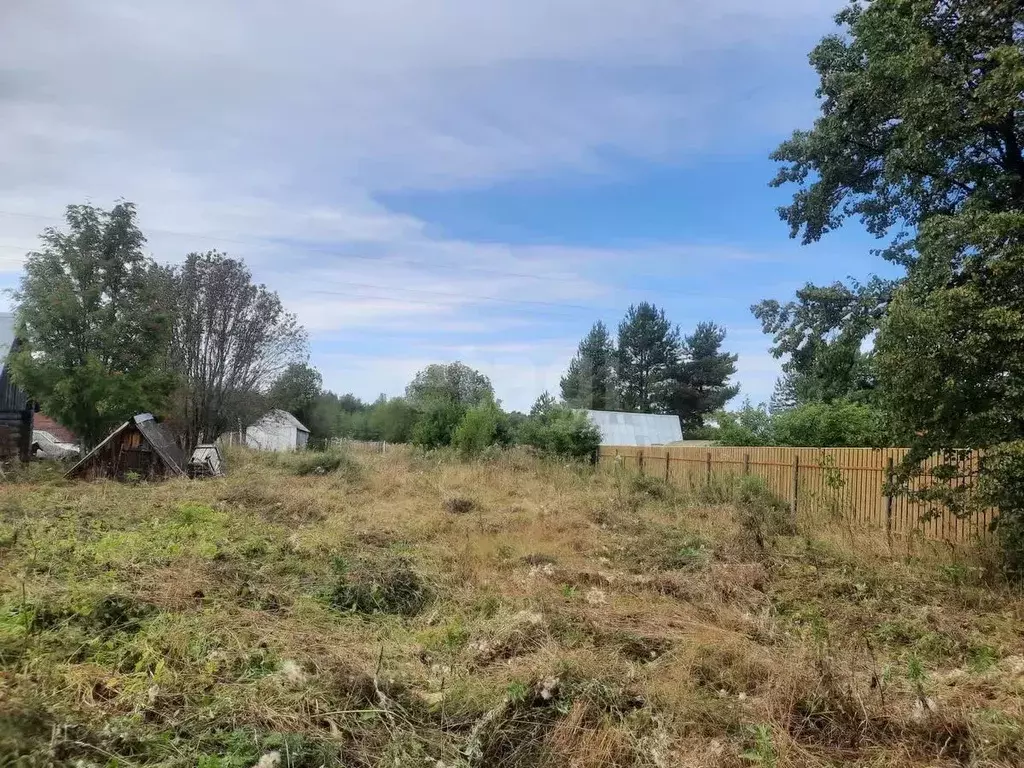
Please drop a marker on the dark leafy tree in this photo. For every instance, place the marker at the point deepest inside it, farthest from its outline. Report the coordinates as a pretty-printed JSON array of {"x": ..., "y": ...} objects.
[
  {"x": 701, "y": 382},
  {"x": 920, "y": 137},
  {"x": 298, "y": 390},
  {"x": 393, "y": 420},
  {"x": 821, "y": 335},
  {"x": 648, "y": 351},
  {"x": 95, "y": 318},
  {"x": 231, "y": 341},
  {"x": 590, "y": 380}
]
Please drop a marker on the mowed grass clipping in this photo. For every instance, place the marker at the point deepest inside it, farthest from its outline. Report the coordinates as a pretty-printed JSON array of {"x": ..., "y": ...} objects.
[{"x": 409, "y": 610}]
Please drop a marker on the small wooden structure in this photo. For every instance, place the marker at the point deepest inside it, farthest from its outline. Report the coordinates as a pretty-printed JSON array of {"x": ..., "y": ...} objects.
[
  {"x": 15, "y": 408},
  {"x": 206, "y": 461},
  {"x": 141, "y": 446}
]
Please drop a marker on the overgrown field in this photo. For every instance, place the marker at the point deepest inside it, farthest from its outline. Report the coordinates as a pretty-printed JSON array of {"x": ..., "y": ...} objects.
[{"x": 403, "y": 610}]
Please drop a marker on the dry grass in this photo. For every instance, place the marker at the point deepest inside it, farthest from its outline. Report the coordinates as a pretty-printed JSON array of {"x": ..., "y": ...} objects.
[{"x": 393, "y": 610}]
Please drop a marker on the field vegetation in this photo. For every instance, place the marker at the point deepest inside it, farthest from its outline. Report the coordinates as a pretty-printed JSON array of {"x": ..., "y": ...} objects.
[{"x": 412, "y": 609}]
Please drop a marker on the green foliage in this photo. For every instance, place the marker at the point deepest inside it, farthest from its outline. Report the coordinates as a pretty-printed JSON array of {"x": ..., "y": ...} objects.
[
  {"x": 701, "y": 377},
  {"x": 393, "y": 420},
  {"x": 297, "y": 390},
  {"x": 820, "y": 334},
  {"x": 481, "y": 427},
  {"x": 454, "y": 383},
  {"x": 94, "y": 316},
  {"x": 556, "y": 430},
  {"x": 649, "y": 350},
  {"x": 821, "y": 425},
  {"x": 436, "y": 425},
  {"x": 816, "y": 424},
  {"x": 590, "y": 382},
  {"x": 751, "y": 425},
  {"x": 323, "y": 462},
  {"x": 388, "y": 586}
]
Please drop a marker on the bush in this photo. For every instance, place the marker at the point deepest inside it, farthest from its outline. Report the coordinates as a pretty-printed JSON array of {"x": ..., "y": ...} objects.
[
  {"x": 482, "y": 426},
  {"x": 389, "y": 586},
  {"x": 321, "y": 462},
  {"x": 1001, "y": 483},
  {"x": 561, "y": 431},
  {"x": 436, "y": 426},
  {"x": 838, "y": 424},
  {"x": 761, "y": 513}
]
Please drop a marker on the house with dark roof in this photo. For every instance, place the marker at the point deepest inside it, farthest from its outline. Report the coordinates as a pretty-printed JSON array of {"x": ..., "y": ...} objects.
[{"x": 15, "y": 408}]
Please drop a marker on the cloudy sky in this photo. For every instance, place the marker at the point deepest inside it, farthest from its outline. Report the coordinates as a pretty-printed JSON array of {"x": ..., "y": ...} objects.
[{"x": 432, "y": 181}]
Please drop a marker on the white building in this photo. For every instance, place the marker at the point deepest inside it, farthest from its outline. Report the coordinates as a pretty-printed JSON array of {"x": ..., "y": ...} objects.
[
  {"x": 277, "y": 431},
  {"x": 619, "y": 428}
]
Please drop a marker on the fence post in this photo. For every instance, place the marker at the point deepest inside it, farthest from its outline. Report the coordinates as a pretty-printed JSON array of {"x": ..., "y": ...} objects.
[
  {"x": 640, "y": 460},
  {"x": 709, "y": 468},
  {"x": 796, "y": 483},
  {"x": 667, "y": 459},
  {"x": 888, "y": 501},
  {"x": 746, "y": 464}
]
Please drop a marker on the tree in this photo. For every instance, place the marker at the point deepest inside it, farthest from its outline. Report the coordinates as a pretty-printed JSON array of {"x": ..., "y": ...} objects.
[
  {"x": 921, "y": 137},
  {"x": 840, "y": 423},
  {"x": 393, "y": 420},
  {"x": 648, "y": 350},
  {"x": 298, "y": 390},
  {"x": 455, "y": 383},
  {"x": 231, "y": 340},
  {"x": 543, "y": 405},
  {"x": 94, "y": 323},
  {"x": 436, "y": 425},
  {"x": 590, "y": 381},
  {"x": 821, "y": 334},
  {"x": 920, "y": 116},
  {"x": 701, "y": 381},
  {"x": 751, "y": 425}
]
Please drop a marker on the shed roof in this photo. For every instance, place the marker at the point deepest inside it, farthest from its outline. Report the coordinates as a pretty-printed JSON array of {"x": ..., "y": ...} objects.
[
  {"x": 159, "y": 439},
  {"x": 279, "y": 416},
  {"x": 620, "y": 428}
]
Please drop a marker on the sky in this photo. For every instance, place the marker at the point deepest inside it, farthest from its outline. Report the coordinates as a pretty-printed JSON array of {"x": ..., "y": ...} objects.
[{"x": 434, "y": 181}]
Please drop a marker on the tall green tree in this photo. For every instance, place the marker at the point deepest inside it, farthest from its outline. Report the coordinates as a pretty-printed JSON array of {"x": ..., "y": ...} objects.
[
  {"x": 821, "y": 336},
  {"x": 920, "y": 137},
  {"x": 95, "y": 318},
  {"x": 298, "y": 390},
  {"x": 590, "y": 380},
  {"x": 454, "y": 383},
  {"x": 701, "y": 381},
  {"x": 648, "y": 351}
]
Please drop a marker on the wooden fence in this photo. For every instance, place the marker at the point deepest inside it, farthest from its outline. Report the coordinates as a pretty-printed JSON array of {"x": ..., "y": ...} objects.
[{"x": 847, "y": 482}]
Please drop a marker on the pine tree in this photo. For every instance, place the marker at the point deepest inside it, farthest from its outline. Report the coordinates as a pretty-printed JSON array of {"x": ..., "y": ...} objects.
[
  {"x": 649, "y": 349},
  {"x": 590, "y": 380},
  {"x": 700, "y": 385}
]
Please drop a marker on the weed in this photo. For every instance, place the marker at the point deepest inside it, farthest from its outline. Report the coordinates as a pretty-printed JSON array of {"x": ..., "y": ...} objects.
[
  {"x": 385, "y": 586},
  {"x": 459, "y": 506},
  {"x": 762, "y": 749}
]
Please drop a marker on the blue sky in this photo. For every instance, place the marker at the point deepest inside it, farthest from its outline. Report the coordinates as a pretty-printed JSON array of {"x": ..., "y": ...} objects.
[{"x": 427, "y": 182}]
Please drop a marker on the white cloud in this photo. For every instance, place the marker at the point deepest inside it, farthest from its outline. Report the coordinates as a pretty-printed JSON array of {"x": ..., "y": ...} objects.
[{"x": 271, "y": 129}]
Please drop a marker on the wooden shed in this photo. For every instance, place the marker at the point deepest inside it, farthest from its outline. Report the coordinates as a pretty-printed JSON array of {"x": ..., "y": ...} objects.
[
  {"x": 15, "y": 408},
  {"x": 141, "y": 446}
]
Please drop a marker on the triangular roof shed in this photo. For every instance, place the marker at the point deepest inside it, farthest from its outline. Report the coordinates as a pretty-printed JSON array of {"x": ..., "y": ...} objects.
[{"x": 141, "y": 445}]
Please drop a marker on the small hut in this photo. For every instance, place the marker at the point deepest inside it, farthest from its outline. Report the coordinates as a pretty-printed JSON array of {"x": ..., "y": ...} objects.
[
  {"x": 141, "y": 446},
  {"x": 15, "y": 408},
  {"x": 277, "y": 431}
]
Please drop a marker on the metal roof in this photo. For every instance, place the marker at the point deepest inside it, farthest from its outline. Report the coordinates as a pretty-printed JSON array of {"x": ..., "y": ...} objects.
[
  {"x": 278, "y": 416},
  {"x": 619, "y": 428}
]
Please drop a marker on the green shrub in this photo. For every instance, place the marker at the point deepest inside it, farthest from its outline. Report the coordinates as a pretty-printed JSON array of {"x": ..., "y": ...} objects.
[
  {"x": 322, "y": 463},
  {"x": 388, "y": 586},
  {"x": 760, "y": 513},
  {"x": 561, "y": 431},
  {"x": 481, "y": 427},
  {"x": 436, "y": 426}
]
